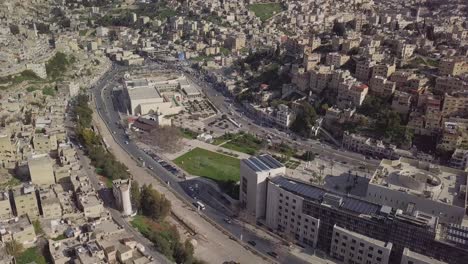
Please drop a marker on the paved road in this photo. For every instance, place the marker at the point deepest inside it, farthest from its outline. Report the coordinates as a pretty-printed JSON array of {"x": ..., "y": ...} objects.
[
  {"x": 102, "y": 94},
  {"x": 108, "y": 199}
]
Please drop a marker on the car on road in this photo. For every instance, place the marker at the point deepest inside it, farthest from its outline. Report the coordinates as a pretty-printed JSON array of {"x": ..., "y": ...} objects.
[
  {"x": 227, "y": 220},
  {"x": 126, "y": 142},
  {"x": 150, "y": 167},
  {"x": 273, "y": 254},
  {"x": 251, "y": 242}
]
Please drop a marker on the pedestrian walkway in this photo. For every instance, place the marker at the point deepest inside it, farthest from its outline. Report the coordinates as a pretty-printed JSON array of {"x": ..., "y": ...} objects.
[{"x": 194, "y": 143}]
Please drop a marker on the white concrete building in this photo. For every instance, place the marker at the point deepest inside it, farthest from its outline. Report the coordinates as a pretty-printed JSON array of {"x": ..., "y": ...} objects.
[
  {"x": 121, "y": 191},
  {"x": 411, "y": 257},
  {"x": 254, "y": 172},
  {"x": 411, "y": 185},
  {"x": 352, "y": 247}
]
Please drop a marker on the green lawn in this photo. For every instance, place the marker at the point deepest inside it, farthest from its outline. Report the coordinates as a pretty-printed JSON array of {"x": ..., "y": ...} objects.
[
  {"x": 245, "y": 143},
  {"x": 265, "y": 10},
  {"x": 31, "y": 255},
  {"x": 205, "y": 163}
]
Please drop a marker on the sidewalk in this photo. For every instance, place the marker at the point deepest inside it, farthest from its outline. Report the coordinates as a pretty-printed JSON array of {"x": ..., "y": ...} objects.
[
  {"x": 194, "y": 143},
  {"x": 213, "y": 246}
]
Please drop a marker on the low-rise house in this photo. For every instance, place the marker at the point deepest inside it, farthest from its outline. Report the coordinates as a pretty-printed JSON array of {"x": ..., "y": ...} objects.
[{"x": 19, "y": 229}]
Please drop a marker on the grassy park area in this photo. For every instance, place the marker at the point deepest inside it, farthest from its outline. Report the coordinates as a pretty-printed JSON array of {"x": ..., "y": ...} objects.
[
  {"x": 245, "y": 143},
  {"x": 205, "y": 163},
  {"x": 265, "y": 10},
  {"x": 31, "y": 255}
]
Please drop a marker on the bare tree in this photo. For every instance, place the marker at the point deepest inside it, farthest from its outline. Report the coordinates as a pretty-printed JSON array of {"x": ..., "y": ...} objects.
[{"x": 167, "y": 138}]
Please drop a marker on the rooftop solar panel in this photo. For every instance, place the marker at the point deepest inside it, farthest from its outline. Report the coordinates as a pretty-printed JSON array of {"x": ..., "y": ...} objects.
[{"x": 316, "y": 193}]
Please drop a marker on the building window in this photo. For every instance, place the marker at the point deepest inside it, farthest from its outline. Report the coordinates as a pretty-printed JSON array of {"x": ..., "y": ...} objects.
[
  {"x": 371, "y": 248},
  {"x": 379, "y": 259},
  {"x": 281, "y": 195},
  {"x": 294, "y": 200},
  {"x": 379, "y": 251},
  {"x": 353, "y": 241}
]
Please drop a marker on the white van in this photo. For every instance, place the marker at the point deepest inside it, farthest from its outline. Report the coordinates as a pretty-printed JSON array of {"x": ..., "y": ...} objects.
[{"x": 199, "y": 205}]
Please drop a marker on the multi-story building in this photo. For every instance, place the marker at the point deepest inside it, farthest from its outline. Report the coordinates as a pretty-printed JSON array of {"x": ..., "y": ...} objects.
[
  {"x": 298, "y": 211},
  {"x": 401, "y": 102},
  {"x": 450, "y": 84},
  {"x": 7, "y": 152},
  {"x": 411, "y": 185},
  {"x": 19, "y": 229},
  {"x": 368, "y": 146},
  {"x": 351, "y": 247},
  {"x": 364, "y": 70},
  {"x": 91, "y": 205},
  {"x": 310, "y": 61},
  {"x": 254, "y": 173},
  {"x": 25, "y": 201},
  {"x": 380, "y": 86},
  {"x": 44, "y": 144},
  {"x": 351, "y": 94},
  {"x": 50, "y": 204},
  {"x": 455, "y": 104},
  {"x": 41, "y": 171},
  {"x": 319, "y": 78},
  {"x": 410, "y": 257},
  {"x": 453, "y": 66},
  {"x": 284, "y": 116},
  {"x": 6, "y": 211},
  {"x": 384, "y": 70},
  {"x": 336, "y": 59},
  {"x": 121, "y": 191}
]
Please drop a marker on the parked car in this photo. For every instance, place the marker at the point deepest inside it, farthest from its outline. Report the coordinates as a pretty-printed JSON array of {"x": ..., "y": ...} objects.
[
  {"x": 227, "y": 220},
  {"x": 251, "y": 242},
  {"x": 273, "y": 254}
]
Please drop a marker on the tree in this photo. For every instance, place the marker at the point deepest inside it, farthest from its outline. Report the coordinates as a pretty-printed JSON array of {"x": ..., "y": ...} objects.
[
  {"x": 135, "y": 195},
  {"x": 183, "y": 253},
  {"x": 308, "y": 156},
  {"x": 305, "y": 120},
  {"x": 154, "y": 204},
  {"x": 13, "y": 248},
  {"x": 339, "y": 28}
]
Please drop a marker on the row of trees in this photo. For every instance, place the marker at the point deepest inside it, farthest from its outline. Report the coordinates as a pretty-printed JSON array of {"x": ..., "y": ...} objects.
[{"x": 105, "y": 161}]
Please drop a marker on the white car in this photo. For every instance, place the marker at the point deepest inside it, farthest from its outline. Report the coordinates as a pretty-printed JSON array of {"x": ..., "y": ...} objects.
[{"x": 126, "y": 142}]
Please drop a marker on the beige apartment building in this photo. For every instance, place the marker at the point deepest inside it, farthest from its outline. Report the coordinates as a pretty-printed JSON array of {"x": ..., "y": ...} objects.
[
  {"x": 91, "y": 205},
  {"x": 351, "y": 247},
  {"x": 336, "y": 59},
  {"x": 7, "y": 152},
  {"x": 384, "y": 70},
  {"x": 380, "y": 86},
  {"x": 19, "y": 229},
  {"x": 25, "y": 201},
  {"x": 50, "y": 204},
  {"x": 6, "y": 211},
  {"x": 41, "y": 171},
  {"x": 450, "y": 84},
  {"x": 453, "y": 66},
  {"x": 364, "y": 70},
  {"x": 319, "y": 78},
  {"x": 44, "y": 144},
  {"x": 455, "y": 104}
]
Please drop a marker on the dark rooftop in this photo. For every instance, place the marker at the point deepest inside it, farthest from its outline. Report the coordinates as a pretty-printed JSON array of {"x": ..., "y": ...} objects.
[
  {"x": 262, "y": 163},
  {"x": 314, "y": 193}
]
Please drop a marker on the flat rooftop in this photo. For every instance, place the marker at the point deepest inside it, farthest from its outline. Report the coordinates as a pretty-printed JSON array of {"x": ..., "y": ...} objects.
[
  {"x": 434, "y": 182},
  {"x": 143, "y": 92}
]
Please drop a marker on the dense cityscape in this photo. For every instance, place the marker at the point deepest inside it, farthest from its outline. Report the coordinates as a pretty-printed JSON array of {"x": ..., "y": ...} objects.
[{"x": 234, "y": 131}]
